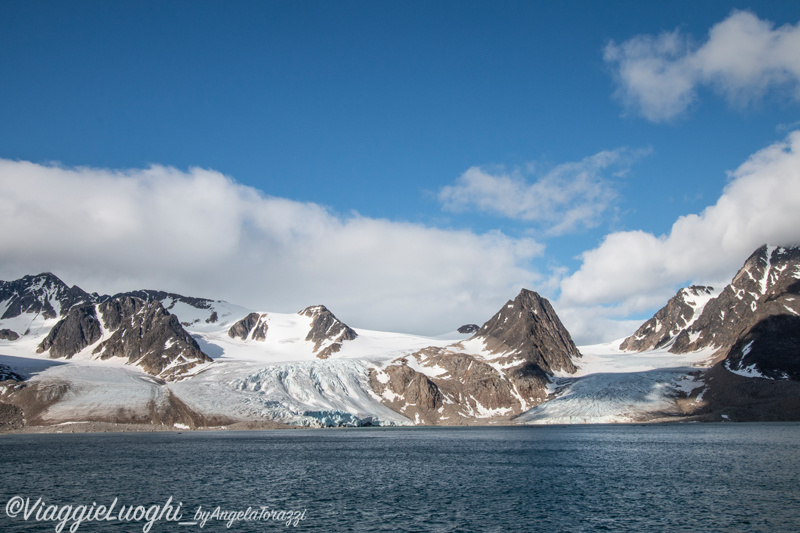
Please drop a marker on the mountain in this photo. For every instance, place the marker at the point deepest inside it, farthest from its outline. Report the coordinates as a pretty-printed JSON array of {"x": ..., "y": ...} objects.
[
  {"x": 172, "y": 361},
  {"x": 43, "y": 294},
  {"x": 327, "y": 332},
  {"x": 750, "y": 333},
  {"x": 680, "y": 312},
  {"x": 190, "y": 310},
  {"x": 252, "y": 326},
  {"x": 528, "y": 328},
  {"x": 501, "y": 371},
  {"x": 142, "y": 332},
  {"x": 753, "y": 323},
  {"x": 762, "y": 287}
]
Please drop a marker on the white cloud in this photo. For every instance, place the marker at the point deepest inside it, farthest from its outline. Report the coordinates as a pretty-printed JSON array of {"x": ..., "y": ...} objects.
[
  {"x": 742, "y": 59},
  {"x": 633, "y": 271},
  {"x": 569, "y": 197},
  {"x": 201, "y": 233}
]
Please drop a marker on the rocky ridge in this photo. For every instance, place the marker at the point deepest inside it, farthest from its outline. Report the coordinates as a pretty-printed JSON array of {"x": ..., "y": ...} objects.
[
  {"x": 142, "y": 332},
  {"x": 253, "y": 326},
  {"x": 753, "y": 324},
  {"x": 521, "y": 347},
  {"x": 327, "y": 332},
  {"x": 43, "y": 294},
  {"x": 669, "y": 321},
  {"x": 170, "y": 300}
]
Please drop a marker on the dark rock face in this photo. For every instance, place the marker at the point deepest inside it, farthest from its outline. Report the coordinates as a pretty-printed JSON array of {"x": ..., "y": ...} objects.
[
  {"x": 73, "y": 333},
  {"x": 460, "y": 388},
  {"x": 148, "y": 295},
  {"x": 753, "y": 324},
  {"x": 144, "y": 333},
  {"x": 766, "y": 275},
  {"x": 11, "y": 417},
  {"x": 670, "y": 320},
  {"x": 169, "y": 299},
  {"x": 119, "y": 309},
  {"x": 327, "y": 332},
  {"x": 469, "y": 328},
  {"x": 412, "y": 393},
  {"x": 150, "y": 337},
  {"x": 44, "y": 293},
  {"x": 8, "y": 335},
  {"x": 528, "y": 327},
  {"x": 771, "y": 347},
  {"x": 255, "y": 323},
  {"x": 526, "y": 343}
]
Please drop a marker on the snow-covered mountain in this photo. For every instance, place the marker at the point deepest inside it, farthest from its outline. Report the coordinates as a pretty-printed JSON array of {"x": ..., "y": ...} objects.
[
  {"x": 753, "y": 323},
  {"x": 44, "y": 295},
  {"x": 680, "y": 312},
  {"x": 153, "y": 357},
  {"x": 750, "y": 332},
  {"x": 501, "y": 371}
]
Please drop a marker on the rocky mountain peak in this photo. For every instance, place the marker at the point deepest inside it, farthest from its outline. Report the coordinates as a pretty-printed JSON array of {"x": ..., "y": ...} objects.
[
  {"x": 143, "y": 332},
  {"x": 680, "y": 312},
  {"x": 148, "y": 336},
  {"x": 327, "y": 332},
  {"x": 254, "y": 323},
  {"x": 42, "y": 293},
  {"x": 766, "y": 268},
  {"x": 529, "y": 327},
  {"x": 767, "y": 274},
  {"x": 752, "y": 324}
]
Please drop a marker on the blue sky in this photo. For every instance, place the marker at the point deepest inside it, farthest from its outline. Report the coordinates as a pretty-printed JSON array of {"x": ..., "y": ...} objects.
[{"x": 431, "y": 117}]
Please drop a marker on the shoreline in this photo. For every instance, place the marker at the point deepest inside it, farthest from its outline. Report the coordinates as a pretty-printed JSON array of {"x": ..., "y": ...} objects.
[{"x": 110, "y": 427}]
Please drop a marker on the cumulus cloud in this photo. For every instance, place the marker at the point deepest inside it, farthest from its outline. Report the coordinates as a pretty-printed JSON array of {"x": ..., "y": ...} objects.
[
  {"x": 569, "y": 197},
  {"x": 742, "y": 59},
  {"x": 633, "y": 271},
  {"x": 201, "y": 233}
]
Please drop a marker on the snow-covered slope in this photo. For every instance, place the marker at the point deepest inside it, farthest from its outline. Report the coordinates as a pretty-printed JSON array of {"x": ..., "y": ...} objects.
[
  {"x": 613, "y": 386},
  {"x": 279, "y": 378},
  {"x": 309, "y": 393}
]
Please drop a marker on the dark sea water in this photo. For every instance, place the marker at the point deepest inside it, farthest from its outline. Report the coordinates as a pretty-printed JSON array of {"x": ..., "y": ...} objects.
[{"x": 688, "y": 477}]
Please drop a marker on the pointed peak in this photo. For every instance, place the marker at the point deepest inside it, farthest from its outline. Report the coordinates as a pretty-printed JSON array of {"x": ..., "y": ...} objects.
[
  {"x": 44, "y": 277},
  {"x": 527, "y": 299},
  {"x": 313, "y": 310},
  {"x": 529, "y": 327}
]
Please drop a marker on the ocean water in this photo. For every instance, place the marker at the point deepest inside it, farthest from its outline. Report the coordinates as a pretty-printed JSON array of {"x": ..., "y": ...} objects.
[{"x": 683, "y": 477}]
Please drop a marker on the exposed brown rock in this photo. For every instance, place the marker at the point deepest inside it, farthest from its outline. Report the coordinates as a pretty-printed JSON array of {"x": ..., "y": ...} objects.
[
  {"x": 11, "y": 417},
  {"x": 669, "y": 321},
  {"x": 27, "y": 405},
  {"x": 37, "y": 294},
  {"x": 529, "y": 328},
  {"x": 255, "y": 323},
  {"x": 460, "y": 389},
  {"x": 326, "y": 330},
  {"x": 8, "y": 335},
  {"x": 767, "y": 273},
  {"x": 152, "y": 338},
  {"x": 73, "y": 333}
]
